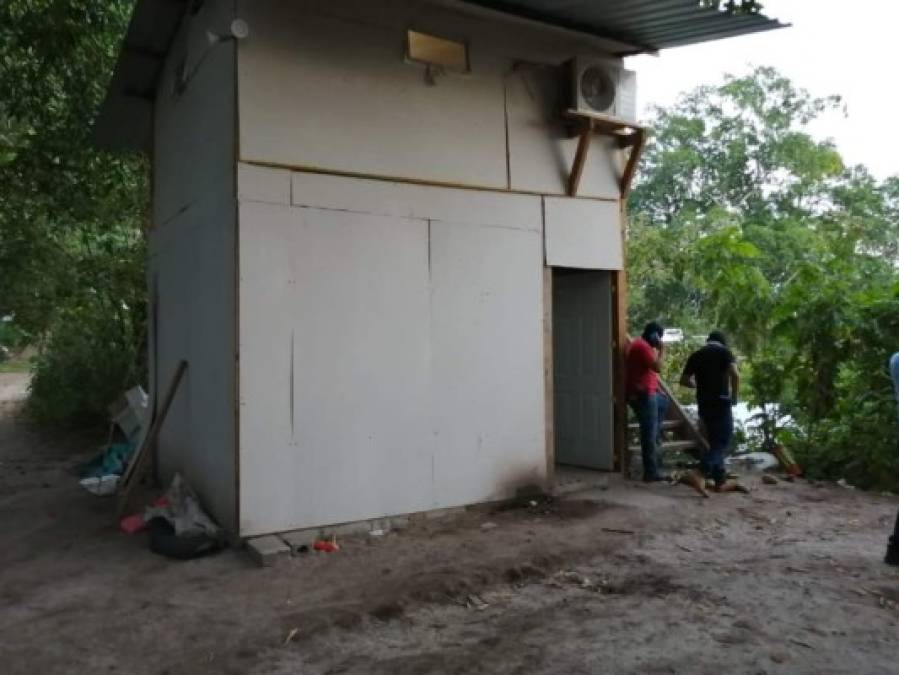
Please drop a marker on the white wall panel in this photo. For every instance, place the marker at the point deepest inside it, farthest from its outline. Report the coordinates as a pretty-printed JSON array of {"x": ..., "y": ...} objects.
[
  {"x": 487, "y": 333},
  {"x": 263, "y": 184},
  {"x": 334, "y": 367},
  {"x": 318, "y": 90},
  {"x": 406, "y": 200},
  {"x": 324, "y": 86},
  {"x": 583, "y": 233},
  {"x": 388, "y": 364}
]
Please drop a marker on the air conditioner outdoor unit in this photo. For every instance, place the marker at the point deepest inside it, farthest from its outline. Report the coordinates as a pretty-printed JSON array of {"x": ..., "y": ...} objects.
[{"x": 604, "y": 87}]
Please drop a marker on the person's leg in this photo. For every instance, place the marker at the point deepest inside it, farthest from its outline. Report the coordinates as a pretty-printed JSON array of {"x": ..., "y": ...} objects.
[
  {"x": 645, "y": 408},
  {"x": 661, "y": 414},
  {"x": 892, "y": 557},
  {"x": 725, "y": 435},
  {"x": 719, "y": 426}
]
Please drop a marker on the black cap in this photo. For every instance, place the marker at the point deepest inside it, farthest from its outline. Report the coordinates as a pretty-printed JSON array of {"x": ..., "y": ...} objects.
[
  {"x": 717, "y": 336},
  {"x": 651, "y": 328}
]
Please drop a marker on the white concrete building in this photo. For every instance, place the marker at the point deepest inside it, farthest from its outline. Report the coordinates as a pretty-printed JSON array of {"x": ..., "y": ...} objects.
[{"x": 366, "y": 243}]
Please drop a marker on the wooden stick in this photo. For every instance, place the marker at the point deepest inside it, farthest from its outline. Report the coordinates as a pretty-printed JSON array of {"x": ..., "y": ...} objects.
[
  {"x": 135, "y": 469},
  {"x": 633, "y": 159},
  {"x": 580, "y": 157}
]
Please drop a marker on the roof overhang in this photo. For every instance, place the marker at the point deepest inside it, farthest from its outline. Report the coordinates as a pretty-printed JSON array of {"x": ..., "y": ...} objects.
[
  {"x": 646, "y": 25},
  {"x": 125, "y": 119}
]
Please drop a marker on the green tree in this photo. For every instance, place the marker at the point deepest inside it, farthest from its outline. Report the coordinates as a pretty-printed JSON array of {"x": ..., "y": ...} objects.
[
  {"x": 740, "y": 219},
  {"x": 71, "y": 246}
]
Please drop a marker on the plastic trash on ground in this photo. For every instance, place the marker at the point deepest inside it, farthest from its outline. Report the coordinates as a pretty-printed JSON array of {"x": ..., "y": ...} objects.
[
  {"x": 183, "y": 512},
  {"x": 757, "y": 461},
  {"x": 102, "y": 486}
]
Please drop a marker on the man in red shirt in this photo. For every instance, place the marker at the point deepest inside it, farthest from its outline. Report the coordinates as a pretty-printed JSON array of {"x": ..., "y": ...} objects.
[{"x": 643, "y": 365}]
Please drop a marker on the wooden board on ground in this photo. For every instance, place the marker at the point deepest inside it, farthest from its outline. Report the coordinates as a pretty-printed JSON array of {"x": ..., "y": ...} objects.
[{"x": 139, "y": 462}]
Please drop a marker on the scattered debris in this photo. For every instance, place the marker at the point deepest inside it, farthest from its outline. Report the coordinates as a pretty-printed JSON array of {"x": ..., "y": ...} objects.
[
  {"x": 165, "y": 541},
  {"x": 843, "y": 483},
  {"x": 801, "y": 643},
  {"x": 133, "y": 524},
  {"x": 377, "y": 533},
  {"x": 769, "y": 479},
  {"x": 786, "y": 459},
  {"x": 757, "y": 461},
  {"x": 291, "y": 635},
  {"x": 476, "y": 602},
  {"x": 326, "y": 546},
  {"x": 100, "y": 476},
  {"x": 617, "y": 531},
  {"x": 179, "y": 528},
  {"x": 182, "y": 510},
  {"x": 102, "y": 486},
  {"x": 136, "y": 522},
  {"x": 488, "y": 526},
  {"x": 129, "y": 413}
]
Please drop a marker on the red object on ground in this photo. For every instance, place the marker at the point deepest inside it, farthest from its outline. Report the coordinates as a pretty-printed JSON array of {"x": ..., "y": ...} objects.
[
  {"x": 326, "y": 546},
  {"x": 135, "y": 522}
]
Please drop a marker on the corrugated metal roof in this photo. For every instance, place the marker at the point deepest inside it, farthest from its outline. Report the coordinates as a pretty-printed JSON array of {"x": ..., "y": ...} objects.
[
  {"x": 125, "y": 119},
  {"x": 648, "y": 25}
]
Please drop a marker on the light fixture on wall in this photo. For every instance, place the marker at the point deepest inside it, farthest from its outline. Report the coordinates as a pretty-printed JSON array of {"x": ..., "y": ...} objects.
[
  {"x": 437, "y": 54},
  {"x": 238, "y": 30}
]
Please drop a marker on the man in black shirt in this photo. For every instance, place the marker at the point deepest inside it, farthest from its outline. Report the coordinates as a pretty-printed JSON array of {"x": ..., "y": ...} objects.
[{"x": 713, "y": 372}]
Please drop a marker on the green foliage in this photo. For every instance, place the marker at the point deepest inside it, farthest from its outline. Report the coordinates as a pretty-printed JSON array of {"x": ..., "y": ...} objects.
[
  {"x": 71, "y": 247},
  {"x": 742, "y": 221},
  {"x": 737, "y": 7}
]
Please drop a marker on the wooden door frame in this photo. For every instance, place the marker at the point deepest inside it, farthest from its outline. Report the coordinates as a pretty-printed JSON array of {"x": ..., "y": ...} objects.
[{"x": 631, "y": 147}]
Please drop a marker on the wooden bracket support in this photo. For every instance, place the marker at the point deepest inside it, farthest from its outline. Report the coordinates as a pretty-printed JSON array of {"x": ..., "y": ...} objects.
[
  {"x": 580, "y": 157},
  {"x": 627, "y": 135},
  {"x": 636, "y": 143}
]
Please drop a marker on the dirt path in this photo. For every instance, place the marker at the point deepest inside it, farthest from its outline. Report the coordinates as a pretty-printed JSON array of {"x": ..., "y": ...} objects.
[{"x": 788, "y": 579}]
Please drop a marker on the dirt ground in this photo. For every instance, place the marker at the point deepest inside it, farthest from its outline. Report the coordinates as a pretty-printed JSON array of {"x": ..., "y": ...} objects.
[{"x": 628, "y": 579}]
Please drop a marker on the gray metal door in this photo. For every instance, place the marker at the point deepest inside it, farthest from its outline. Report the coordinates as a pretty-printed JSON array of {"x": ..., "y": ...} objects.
[{"x": 582, "y": 364}]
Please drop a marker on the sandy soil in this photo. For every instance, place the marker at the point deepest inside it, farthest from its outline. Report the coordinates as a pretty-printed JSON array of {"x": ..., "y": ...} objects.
[{"x": 629, "y": 579}]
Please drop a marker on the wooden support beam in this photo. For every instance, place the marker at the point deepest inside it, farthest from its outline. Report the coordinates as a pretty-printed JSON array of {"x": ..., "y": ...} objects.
[
  {"x": 548, "y": 376},
  {"x": 630, "y": 168},
  {"x": 580, "y": 157},
  {"x": 619, "y": 352},
  {"x": 632, "y": 136}
]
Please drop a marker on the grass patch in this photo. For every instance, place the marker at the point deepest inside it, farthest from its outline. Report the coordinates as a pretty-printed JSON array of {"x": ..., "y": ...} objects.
[{"x": 15, "y": 366}]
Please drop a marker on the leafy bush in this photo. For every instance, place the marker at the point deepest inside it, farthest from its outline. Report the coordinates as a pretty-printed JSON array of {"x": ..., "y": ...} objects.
[
  {"x": 11, "y": 336},
  {"x": 91, "y": 356}
]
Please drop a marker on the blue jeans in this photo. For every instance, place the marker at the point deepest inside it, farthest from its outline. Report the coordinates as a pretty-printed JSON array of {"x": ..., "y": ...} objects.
[
  {"x": 719, "y": 425},
  {"x": 650, "y": 410}
]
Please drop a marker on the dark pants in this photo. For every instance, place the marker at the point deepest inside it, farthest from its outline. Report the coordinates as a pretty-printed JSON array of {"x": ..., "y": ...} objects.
[
  {"x": 892, "y": 556},
  {"x": 719, "y": 426},
  {"x": 650, "y": 410}
]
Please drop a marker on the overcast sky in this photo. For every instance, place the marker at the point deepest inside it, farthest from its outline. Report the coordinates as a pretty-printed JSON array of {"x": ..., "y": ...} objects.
[{"x": 846, "y": 47}]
